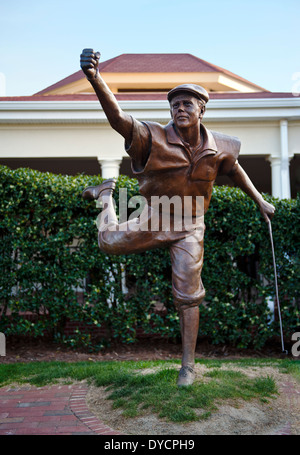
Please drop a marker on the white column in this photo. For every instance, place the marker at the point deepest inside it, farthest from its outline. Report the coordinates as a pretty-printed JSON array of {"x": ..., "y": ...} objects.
[
  {"x": 280, "y": 166},
  {"x": 110, "y": 168},
  {"x": 275, "y": 175},
  {"x": 284, "y": 150}
]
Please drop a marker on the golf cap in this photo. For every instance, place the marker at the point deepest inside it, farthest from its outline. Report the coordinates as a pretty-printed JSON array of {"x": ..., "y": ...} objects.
[{"x": 192, "y": 89}]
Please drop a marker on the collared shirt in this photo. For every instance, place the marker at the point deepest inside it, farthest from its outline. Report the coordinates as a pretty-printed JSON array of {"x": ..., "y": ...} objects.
[{"x": 165, "y": 166}]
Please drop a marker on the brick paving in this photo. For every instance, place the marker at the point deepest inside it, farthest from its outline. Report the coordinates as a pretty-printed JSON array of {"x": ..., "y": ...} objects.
[
  {"x": 51, "y": 410},
  {"x": 62, "y": 410},
  {"x": 291, "y": 396}
]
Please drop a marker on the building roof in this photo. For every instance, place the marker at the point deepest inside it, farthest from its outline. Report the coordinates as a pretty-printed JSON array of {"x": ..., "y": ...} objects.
[
  {"x": 153, "y": 63},
  {"x": 147, "y": 96}
]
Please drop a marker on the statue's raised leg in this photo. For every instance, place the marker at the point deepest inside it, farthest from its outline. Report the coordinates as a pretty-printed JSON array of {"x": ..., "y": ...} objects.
[{"x": 103, "y": 191}]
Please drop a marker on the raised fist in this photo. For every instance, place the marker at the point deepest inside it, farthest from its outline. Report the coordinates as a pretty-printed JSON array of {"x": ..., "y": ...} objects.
[{"x": 89, "y": 61}]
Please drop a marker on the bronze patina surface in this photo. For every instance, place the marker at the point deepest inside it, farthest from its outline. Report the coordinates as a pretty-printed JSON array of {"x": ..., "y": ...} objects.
[{"x": 181, "y": 160}]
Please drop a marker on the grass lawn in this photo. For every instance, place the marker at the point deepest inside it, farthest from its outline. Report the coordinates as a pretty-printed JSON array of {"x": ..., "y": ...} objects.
[{"x": 151, "y": 385}]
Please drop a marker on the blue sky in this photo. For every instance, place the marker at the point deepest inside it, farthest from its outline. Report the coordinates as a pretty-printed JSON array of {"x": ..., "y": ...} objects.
[{"x": 40, "y": 41}]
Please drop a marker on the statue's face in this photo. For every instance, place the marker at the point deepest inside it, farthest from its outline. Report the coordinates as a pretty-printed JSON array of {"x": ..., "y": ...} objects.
[{"x": 186, "y": 110}]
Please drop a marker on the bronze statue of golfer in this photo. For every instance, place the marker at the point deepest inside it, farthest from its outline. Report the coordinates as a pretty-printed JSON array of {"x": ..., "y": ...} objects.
[{"x": 181, "y": 159}]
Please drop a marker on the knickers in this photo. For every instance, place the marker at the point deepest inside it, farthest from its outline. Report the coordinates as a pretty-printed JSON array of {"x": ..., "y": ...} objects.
[{"x": 186, "y": 250}]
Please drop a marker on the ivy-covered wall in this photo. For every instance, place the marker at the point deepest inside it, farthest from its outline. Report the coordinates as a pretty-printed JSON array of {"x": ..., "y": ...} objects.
[{"x": 52, "y": 269}]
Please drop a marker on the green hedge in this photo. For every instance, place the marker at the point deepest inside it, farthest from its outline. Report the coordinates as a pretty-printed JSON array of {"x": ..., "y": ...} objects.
[{"x": 42, "y": 215}]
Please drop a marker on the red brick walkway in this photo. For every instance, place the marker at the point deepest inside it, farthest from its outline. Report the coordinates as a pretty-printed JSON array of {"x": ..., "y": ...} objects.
[
  {"x": 62, "y": 410},
  {"x": 51, "y": 410},
  {"x": 291, "y": 395}
]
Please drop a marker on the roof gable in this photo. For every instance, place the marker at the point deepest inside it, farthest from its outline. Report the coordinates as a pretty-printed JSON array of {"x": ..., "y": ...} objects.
[
  {"x": 156, "y": 63},
  {"x": 152, "y": 63}
]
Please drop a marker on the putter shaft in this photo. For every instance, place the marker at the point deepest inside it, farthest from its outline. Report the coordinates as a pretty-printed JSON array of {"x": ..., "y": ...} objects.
[{"x": 276, "y": 285}]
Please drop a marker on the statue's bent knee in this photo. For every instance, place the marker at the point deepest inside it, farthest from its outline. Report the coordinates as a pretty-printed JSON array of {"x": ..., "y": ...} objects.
[{"x": 181, "y": 304}]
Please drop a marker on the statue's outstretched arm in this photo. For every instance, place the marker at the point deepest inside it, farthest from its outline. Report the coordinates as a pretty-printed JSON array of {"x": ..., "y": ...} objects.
[
  {"x": 118, "y": 119},
  {"x": 241, "y": 179}
]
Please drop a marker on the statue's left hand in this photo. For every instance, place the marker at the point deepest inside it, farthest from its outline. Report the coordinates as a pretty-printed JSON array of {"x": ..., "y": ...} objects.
[{"x": 267, "y": 210}]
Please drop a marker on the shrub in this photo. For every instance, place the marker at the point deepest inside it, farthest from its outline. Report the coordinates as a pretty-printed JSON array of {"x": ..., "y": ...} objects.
[{"x": 49, "y": 252}]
